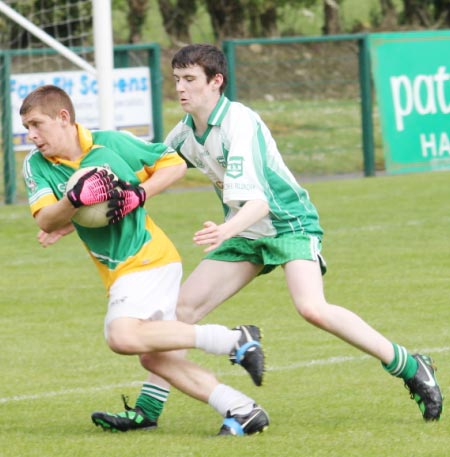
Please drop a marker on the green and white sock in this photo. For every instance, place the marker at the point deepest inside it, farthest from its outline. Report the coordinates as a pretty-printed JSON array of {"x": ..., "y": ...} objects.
[
  {"x": 404, "y": 365},
  {"x": 151, "y": 400}
]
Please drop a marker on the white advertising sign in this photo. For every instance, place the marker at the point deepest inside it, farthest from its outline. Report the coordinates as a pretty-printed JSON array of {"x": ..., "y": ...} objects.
[{"x": 132, "y": 99}]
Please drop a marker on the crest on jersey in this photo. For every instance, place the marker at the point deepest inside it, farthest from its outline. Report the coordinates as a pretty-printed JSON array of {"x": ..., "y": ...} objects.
[
  {"x": 235, "y": 166},
  {"x": 31, "y": 184}
]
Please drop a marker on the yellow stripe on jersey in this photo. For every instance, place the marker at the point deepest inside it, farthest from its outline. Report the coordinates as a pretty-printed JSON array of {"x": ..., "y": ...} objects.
[
  {"x": 157, "y": 252},
  {"x": 45, "y": 200},
  {"x": 166, "y": 161}
]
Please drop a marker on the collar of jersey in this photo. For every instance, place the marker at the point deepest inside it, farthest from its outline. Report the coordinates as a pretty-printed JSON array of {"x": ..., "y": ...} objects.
[{"x": 216, "y": 116}]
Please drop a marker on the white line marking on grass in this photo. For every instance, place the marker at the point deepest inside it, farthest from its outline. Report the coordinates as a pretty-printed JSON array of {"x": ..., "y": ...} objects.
[
  {"x": 293, "y": 366},
  {"x": 343, "y": 359},
  {"x": 382, "y": 227},
  {"x": 58, "y": 393}
]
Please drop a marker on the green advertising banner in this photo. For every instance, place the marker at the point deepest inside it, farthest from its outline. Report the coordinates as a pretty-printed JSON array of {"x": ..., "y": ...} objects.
[{"x": 411, "y": 72}]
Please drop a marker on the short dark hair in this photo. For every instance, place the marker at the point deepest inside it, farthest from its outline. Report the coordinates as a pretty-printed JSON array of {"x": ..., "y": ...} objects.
[
  {"x": 50, "y": 100},
  {"x": 207, "y": 56}
]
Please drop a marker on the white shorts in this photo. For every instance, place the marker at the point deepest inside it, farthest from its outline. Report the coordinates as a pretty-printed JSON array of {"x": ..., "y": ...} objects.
[{"x": 149, "y": 294}]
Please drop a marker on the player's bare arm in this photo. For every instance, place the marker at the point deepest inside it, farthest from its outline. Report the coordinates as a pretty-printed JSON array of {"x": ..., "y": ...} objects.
[
  {"x": 123, "y": 201},
  {"x": 163, "y": 178},
  {"x": 213, "y": 235},
  {"x": 56, "y": 216}
]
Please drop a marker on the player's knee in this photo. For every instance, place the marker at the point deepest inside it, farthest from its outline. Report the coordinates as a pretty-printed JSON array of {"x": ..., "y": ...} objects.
[
  {"x": 312, "y": 313},
  {"x": 185, "y": 314},
  {"x": 182, "y": 315},
  {"x": 192, "y": 309},
  {"x": 149, "y": 362},
  {"x": 122, "y": 343}
]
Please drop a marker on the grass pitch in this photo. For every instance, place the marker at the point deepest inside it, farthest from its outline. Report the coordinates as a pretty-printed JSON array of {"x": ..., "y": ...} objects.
[{"x": 386, "y": 244}]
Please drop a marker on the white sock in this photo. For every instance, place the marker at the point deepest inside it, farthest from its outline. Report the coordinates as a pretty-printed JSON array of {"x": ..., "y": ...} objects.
[
  {"x": 215, "y": 339},
  {"x": 224, "y": 398}
]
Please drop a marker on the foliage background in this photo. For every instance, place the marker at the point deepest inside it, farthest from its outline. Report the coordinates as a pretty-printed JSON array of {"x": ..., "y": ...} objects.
[{"x": 213, "y": 20}]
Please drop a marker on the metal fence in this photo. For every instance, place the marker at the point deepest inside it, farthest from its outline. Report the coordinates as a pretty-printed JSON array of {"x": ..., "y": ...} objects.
[
  {"x": 314, "y": 93},
  {"x": 45, "y": 60}
]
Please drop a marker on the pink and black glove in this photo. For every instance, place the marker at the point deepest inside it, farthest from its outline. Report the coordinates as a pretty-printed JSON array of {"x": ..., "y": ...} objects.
[
  {"x": 93, "y": 187},
  {"x": 124, "y": 201}
]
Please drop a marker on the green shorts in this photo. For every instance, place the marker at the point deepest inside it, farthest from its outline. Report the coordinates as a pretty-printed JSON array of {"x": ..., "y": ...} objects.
[{"x": 270, "y": 251}]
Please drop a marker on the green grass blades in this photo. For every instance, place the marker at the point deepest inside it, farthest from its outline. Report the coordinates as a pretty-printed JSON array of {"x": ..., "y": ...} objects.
[{"x": 386, "y": 244}]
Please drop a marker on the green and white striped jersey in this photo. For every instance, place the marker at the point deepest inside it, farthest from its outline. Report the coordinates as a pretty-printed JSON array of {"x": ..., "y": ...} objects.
[{"x": 239, "y": 155}]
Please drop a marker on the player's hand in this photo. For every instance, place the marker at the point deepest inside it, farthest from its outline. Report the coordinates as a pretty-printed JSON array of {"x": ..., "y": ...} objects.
[
  {"x": 93, "y": 187},
  {"x": 125, "y": 200},
  {"x": 212, "y": 234},
  {"x": 47, "y": 239}
]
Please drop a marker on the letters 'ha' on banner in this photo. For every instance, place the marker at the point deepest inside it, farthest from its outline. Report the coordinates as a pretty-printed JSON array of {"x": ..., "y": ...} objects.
[{"x": 411, "y": 72}]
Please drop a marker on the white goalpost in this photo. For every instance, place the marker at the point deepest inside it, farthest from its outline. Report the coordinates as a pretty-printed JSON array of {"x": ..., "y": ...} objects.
[
  {"x": 103, "y": 52},
  {"x": 103, "y": 49},
  {"x": 69, "y": 43}
]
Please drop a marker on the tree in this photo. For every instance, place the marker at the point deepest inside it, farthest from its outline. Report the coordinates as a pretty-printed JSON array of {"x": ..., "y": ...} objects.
[
  {"x": 177, "y": 16},
  {"x": 262, "y": 16},
  {"x": 227, "y": 18},
  {"x": 415, "y": 12},
  {"x": 332, "y": 22},
  {"x": 389, "y": 17},
  {"x": 137, "y": 13},
  {"x": 249, "y": 18},
  {"x": 268, "y": 20},
  {"x": 426, "y": 13},
  {"x": 442, "y": 12}
]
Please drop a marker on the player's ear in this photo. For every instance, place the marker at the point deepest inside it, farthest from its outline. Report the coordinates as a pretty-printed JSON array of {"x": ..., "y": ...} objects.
[
  {"x": 218, "y": 80},
  {"x": 65, "y": 116}
]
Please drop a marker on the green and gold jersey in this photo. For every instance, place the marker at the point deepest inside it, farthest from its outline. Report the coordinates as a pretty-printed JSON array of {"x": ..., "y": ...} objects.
[
  {"x": 132, "y": 244},
  {"x": 239, "y": 155}
]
